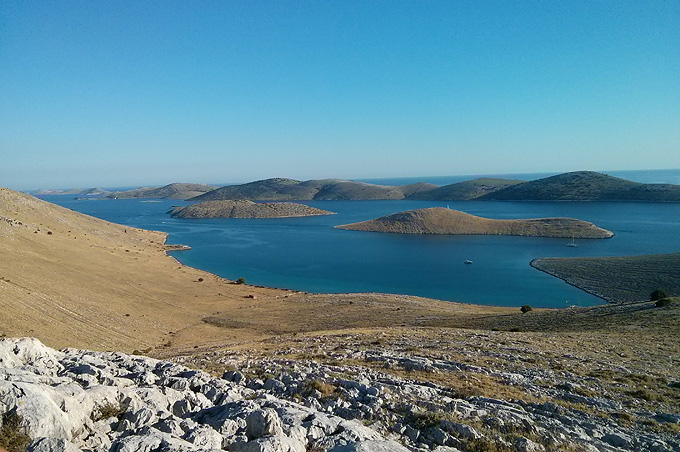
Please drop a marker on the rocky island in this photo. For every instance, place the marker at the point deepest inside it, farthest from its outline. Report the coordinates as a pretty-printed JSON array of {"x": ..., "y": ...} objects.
[
  {"x": 281, "y": 189},
  {"x": 464, "y": 191},
  {"x": 585, "y": 186},
  {"x": 246, "y": 209},
  {"x": 439, "y": 220},
  {"x": 170, "y": 191}
]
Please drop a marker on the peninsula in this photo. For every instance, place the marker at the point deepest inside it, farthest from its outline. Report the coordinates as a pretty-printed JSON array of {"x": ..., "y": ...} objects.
[
  {"x": 246, "y": 209},
  {"x": 617, "y": 278},
  {"x": 438, "y": 220}
]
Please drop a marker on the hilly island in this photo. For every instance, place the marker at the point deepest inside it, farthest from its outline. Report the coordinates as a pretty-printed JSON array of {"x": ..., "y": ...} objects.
[
  {"x": 574, "y": 186},
  {"x": 439, "y": 220},
  {"x": 246, "y": 209}
]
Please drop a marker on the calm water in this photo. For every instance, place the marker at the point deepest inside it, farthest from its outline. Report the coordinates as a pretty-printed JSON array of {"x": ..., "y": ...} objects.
[{"x": 308, "y": 254}]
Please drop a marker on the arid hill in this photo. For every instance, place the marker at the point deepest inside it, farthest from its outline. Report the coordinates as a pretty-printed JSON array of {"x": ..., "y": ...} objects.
[
  {"x": 279, "y": 189},
  {"x": 171, "y": 191},
  {"x": 585, "y": 186},
  {"x": 438, "y": 220},
  {"x": 72, "y": 280},
  {"x": 464, "y": 191},
  {"x": 246, "y": 209}
]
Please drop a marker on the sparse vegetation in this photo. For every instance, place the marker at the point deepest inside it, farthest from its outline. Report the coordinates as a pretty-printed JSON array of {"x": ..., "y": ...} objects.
[
  {"x": 663, "y": 302},
  {"x": 241, "y": 280},
  {"x": 326, "y": 389},
  {"x": 108, "y": 410},
  {"x": 526, "y": 308},
  {"x": 13, "y": 435}
]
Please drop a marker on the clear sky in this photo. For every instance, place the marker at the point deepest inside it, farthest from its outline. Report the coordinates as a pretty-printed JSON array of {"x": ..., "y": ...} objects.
[{"x": 114, "y": 93}]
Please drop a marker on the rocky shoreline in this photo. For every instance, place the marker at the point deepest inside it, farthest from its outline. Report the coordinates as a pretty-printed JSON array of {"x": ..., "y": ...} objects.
[{"x": 617, "y": 279}]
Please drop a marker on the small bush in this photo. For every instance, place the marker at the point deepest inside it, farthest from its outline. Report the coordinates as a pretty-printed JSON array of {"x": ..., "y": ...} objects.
[
  {"x": 663, "y": 302},
  {"x": 241, "y": 280},
  {"x": 13, "y": 435},
  {"x": 325, "y": 389},
  {"x": 658, "y": 294},
  {"x": 526, "y": 308},
  {"x": 107, "y": 411}
]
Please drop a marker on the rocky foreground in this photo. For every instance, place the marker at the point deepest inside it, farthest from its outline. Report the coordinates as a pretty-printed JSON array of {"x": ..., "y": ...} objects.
[{"x": 100, "y": 401}]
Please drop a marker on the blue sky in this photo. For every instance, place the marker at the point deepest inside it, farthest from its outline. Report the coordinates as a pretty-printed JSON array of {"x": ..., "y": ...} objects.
[{"x": 114, "y": 93}]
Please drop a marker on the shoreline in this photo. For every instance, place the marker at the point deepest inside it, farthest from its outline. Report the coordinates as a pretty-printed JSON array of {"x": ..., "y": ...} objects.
[{"x": 554, "y": 275}]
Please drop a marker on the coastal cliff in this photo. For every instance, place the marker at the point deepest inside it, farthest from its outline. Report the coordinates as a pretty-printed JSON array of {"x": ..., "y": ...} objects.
[
  {"x": 438, "y": 220},
  {"x": 246, "y": 209}
]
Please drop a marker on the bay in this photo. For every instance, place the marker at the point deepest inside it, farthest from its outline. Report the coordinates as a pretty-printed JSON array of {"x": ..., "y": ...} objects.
[{"x": 308, "y": 254}]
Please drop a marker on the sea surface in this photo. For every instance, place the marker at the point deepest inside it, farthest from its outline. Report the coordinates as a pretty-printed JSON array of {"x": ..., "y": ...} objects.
[{"x": 308, "y": 254}]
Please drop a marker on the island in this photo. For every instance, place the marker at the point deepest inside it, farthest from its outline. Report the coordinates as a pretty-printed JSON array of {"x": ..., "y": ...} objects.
[
  {"x": 282, "y": 189},
  {"x": 585, "y": 186},
  {"x": 573, "y": 186},
  {"x": 246, "y": 209},
  {"x": 439, "y": 220},
  {"x": 464, "y": 191},
  {"x": 170, "y": 191}
]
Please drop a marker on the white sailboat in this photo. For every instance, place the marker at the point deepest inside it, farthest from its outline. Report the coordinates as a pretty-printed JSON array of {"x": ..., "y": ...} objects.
[{"x": 572, "y": 243}]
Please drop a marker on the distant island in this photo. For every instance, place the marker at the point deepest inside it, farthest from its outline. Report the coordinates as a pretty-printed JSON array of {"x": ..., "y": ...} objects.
[
  {"x": 585, "y": 186},
  {"x": 280, "y": 189},
  {"x": 171, "y": 191},
  {"x": 464, "y": 191},
  {"x": 246, "y": 209},
  {"x": 574, "y": 186},
  {"x": 438, "y": 220},
  {"x": 71, "y": 191}
]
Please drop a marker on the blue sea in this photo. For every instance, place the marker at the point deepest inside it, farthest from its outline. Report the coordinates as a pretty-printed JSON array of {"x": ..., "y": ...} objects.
[{"x": 308, "y": 254}]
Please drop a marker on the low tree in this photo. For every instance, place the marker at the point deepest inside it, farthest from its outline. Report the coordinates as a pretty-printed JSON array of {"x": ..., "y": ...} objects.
[
  {"x": 526, "y": 308},
  {"x": 241, "y": 280},
  {"x": 658, "y": 294}
]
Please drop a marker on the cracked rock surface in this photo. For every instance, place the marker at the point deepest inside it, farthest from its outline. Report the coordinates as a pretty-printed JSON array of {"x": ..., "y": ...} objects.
[{"x": 361, "y": 400}]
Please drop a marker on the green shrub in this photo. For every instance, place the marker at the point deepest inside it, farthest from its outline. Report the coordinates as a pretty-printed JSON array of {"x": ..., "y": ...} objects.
[
  {"x": 326, "y": 389},
  {"x": 658, "y": 294},
  {"x": 108, "y": 410},
  {"x": 13, "y": 435},
  {"x": 241, "y": 280},
  {"x": 663, "y": 302},
  {"x": 525, "y": 308}
]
